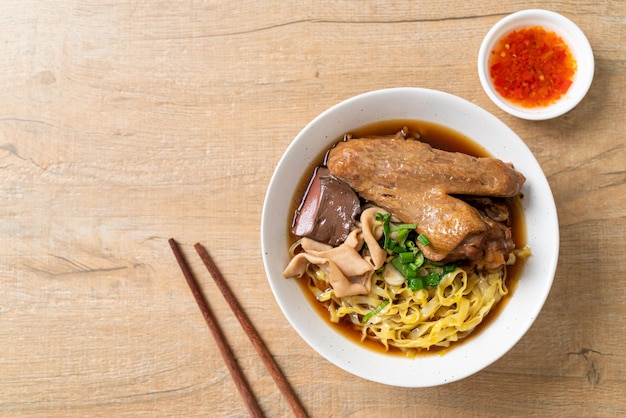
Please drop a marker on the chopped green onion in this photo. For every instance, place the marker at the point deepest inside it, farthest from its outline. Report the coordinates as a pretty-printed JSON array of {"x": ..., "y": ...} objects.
[
  {"x": 386, "y": 229},
  {"x": 407, "y": 257},
  {"x": 374, "y": 311},
  {"x": 401, "y": 227},
  {"x": 448, "y": 268},
  {"x": 398, "y": 248},
  {"x": 423, "y": 240},
  {"x": 416, "y": 283},
  {"x": 419, "y": 258},
  {"x": 403, "y": 268},
  {"x": 432, "y": 279},
  {"x": 422, "y": 282},
  {"x": 402, "y": 235}
]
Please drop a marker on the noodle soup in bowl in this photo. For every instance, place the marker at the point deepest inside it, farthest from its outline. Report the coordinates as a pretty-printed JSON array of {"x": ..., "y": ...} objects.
[{"x": 502, "y": 328}]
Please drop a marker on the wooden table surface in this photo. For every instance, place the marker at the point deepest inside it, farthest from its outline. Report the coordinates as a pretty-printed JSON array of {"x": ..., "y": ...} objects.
[{"x": 126, "y": 123}]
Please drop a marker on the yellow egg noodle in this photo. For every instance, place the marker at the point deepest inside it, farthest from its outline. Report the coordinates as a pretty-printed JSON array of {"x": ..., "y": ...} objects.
[{"x": 417, "y": 320}]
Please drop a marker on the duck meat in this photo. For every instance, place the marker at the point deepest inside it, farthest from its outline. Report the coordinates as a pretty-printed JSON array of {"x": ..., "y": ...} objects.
[{"x": 420, "y": 184}]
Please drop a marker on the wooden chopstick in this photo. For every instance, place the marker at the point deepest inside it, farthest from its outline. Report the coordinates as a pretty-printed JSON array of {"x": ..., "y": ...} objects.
[
  {"x": 252, "y": 334},
  {"x": 233, "y": 367},
  {"x": 249, "y": 329}
]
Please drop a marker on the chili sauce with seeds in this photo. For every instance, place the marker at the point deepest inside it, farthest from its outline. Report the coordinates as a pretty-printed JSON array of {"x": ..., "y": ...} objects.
[{"x": 532, "y": 67}]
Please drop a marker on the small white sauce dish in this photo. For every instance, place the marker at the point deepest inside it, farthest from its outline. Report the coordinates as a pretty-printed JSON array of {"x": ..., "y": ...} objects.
[{"x": 571, "y": 34}]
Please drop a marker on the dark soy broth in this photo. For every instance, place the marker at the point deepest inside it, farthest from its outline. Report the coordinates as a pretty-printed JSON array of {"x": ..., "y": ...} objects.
[{"x": 439, "y": 137}]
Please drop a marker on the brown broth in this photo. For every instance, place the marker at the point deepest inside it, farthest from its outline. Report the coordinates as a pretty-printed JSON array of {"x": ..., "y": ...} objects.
[{"x": 444, "y": 138}]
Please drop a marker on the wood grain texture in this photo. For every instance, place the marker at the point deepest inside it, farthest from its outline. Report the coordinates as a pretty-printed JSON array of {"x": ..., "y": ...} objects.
[{"x": 125, "y": 123}]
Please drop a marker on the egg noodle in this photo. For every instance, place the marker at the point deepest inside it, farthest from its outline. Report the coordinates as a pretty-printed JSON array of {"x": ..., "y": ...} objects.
[{"x": 416, "y": 320}]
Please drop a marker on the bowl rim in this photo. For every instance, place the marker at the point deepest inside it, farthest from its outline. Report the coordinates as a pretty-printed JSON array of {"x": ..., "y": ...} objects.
[
  {"x": 571, "y": 34},
  {"x": 503, "y": 332}
]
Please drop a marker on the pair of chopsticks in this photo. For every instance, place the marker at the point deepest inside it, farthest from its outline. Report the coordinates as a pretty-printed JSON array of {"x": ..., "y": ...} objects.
[{"x": 233, "y": 367}]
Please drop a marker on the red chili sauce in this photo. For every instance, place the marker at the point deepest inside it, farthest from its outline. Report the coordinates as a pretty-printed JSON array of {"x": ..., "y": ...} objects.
[{"x": 532, "y": 67}]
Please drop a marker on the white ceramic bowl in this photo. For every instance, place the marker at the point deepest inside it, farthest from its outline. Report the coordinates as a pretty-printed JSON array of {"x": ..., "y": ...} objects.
[
  {"x": 540, "y": 217},
  {"x": 571, "y": 35}
]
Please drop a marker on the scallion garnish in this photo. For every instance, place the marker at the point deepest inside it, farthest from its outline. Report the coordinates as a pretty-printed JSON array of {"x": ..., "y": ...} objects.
[
  {"x": 403, "y": 268},
  {"x": 384, "y": 219},
  {"x": 401, "y": 236},
  {"x": 416, "y": 283},
  {"x": 403, "y": 226},
  {"x": 374, "y": 311},
  {"x": 406, "y": 257},
  {"x": 398, "y": 248},
  {"x": 448, "y": 268},
  {"x": 419, "y": 258},
  {"x": 432, "y": 279},
  {"x": 423, "y": 239}
]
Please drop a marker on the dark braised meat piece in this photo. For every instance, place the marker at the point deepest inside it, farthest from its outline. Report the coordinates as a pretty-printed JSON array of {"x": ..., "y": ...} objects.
[
  {"x": 416, "y": 182},
  {"x": 328, "y": 210},
  {"x": 491, "y": 248}
]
